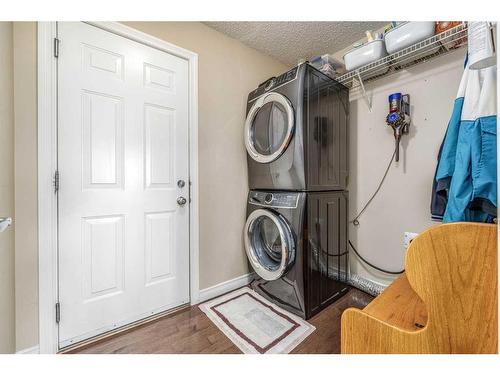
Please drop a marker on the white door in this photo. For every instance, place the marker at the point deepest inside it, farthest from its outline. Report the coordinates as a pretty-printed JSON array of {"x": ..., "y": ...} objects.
[{"x": 122, "y": 148}]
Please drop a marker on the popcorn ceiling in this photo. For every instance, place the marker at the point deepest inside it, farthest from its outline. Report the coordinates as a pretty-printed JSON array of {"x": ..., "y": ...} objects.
[{"x": 289, "y": 42}]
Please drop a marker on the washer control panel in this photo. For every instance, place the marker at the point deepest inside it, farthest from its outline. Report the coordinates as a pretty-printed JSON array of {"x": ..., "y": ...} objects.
[{"x": 273, "y": 199}]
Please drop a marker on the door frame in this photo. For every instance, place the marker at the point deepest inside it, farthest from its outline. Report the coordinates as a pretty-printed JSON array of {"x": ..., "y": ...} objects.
[{"x": 47, "y": 165}]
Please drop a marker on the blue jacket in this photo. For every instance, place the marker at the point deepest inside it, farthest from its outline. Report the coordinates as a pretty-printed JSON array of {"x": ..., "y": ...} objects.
[{"x": 467, "y": 169}]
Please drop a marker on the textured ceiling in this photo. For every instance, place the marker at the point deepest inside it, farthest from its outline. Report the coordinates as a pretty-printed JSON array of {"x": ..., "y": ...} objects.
[{"x": 290, "y": 41}]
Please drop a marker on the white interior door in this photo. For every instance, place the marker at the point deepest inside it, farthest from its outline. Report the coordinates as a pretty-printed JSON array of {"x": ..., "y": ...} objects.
[{"x": 122, "y": 147}]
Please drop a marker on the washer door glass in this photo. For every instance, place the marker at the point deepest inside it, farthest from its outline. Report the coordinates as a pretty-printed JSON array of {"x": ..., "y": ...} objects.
[
  {"x": 269, "y": 244},
  {"x": 267, "y": 239},
  {"x": 269, "y": 127}
]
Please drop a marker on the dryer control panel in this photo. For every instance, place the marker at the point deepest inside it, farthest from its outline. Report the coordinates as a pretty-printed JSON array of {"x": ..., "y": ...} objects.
[
  {"x": 273, "y": 83},
  {"x": 273, "y": 199}
]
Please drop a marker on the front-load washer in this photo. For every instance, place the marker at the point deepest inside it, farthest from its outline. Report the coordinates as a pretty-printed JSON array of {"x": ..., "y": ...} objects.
[
  {"x": 296, "y": 132},
  {"x": 296, "y": 242}
]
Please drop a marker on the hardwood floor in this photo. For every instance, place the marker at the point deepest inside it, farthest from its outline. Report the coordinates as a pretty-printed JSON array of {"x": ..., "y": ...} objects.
[{"x": 190, "y": 331}]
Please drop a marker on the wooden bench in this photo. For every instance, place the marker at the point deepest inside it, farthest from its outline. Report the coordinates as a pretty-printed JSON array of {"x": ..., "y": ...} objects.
[{"x": 446, "y": 302}]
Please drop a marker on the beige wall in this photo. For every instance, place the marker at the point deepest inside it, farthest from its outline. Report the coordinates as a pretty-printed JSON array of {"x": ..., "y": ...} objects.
[
  {"x": 403, "y": 202},
  {"x": 7, "y": 333},
  {"x": 26, "y": 184},
  {"x": 228, "y": 71}
]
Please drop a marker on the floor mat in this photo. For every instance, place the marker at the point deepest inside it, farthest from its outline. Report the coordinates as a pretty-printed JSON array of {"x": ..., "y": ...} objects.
[{"x": 254, "y": 324}]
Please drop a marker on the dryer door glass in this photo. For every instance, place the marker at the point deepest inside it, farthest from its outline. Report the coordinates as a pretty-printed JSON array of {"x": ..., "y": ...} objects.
[
  {"x": 269, "y": 127},
  {"x": 269, "y": 244}
]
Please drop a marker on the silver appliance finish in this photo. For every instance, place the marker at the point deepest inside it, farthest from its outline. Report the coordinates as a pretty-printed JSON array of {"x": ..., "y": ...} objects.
[
  {"x": 296, "y": 132},
  {"x": 296, "y": 242}
]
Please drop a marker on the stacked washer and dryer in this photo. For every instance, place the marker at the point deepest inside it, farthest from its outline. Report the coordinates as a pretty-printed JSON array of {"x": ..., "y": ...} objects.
[{"x": 296, "y": 233}]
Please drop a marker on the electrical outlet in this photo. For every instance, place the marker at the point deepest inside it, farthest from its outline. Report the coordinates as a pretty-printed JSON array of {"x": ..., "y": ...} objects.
[{"x": 408, "y": 237}]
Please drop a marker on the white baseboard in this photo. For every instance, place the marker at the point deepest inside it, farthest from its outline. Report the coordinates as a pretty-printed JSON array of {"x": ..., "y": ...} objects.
[
  {"x": 225, "y": 287},
  {"x": 33, "y": 350}
]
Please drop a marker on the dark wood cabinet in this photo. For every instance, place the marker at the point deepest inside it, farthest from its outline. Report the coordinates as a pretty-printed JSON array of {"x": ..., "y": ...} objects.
[
  {"x": 326, "y": 114},
  {"x": 326, "y": 252}
]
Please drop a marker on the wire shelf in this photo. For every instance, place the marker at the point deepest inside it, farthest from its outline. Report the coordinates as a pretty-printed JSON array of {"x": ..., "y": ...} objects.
[{"x": 439, "y": 44}]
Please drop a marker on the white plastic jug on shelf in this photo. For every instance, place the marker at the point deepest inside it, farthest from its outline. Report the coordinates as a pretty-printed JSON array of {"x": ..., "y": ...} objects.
[
  {"x": 481, "y": 45},
  {"x": 4, "y": 223}
]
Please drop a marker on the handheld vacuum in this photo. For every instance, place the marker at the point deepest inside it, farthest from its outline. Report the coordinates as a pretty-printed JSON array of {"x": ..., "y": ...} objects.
[{"x": 399, "y": 117}]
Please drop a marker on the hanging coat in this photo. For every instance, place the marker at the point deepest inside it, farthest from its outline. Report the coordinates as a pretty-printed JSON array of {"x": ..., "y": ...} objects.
[{"x": 467, "y": 169}]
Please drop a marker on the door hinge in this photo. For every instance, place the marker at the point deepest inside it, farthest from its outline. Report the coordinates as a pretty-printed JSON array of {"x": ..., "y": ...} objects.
[
  {"x": 56, "y": 181},
  {"x": 56, "y": 47},
  {"x": 58, "y": 312}
]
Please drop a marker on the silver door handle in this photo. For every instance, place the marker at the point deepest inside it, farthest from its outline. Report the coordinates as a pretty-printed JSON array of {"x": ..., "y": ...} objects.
[
  {"x": 181, "y": 201},
  {"x": 4, "y": 223}
]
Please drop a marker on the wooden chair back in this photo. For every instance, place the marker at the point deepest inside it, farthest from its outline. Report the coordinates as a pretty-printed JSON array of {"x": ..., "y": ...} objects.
[{"x": 454, "y": 270}]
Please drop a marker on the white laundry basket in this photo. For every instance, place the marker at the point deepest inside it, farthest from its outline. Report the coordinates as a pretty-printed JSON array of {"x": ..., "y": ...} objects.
[
  {"x": 368, "y": 53},
  {"x": 406, "y": 34}
]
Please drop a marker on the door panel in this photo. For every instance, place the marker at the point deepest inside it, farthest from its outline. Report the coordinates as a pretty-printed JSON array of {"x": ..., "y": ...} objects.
[
  {"x": 159, "y": 246},
  {"x": 122, "y": 145},
  {"x": 103, "y": 250},
  {"x": 159, "y": 147},
  {"x": 102, "y": 133}
]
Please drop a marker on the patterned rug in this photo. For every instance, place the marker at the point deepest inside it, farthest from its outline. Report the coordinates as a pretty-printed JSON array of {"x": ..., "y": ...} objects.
[{"x": 254, "y": 324}]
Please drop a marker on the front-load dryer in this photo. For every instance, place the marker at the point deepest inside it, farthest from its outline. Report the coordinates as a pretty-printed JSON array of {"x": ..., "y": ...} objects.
[
  {"x": 296, "y": 132},
  {"x": 296, "y": 242}
]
